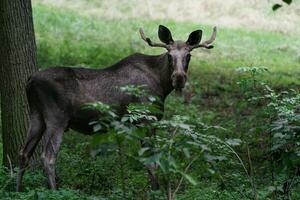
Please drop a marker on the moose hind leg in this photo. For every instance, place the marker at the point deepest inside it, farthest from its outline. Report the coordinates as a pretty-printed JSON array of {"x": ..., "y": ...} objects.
[
  {"x": 35, "y": 132},
  {"x": 52, "y": 141},
  {"x": 152, "y": 177},
  {"x": 151, "y": 168}
]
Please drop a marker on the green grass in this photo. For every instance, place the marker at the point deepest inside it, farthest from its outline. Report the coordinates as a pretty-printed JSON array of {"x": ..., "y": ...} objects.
[{"x": 66, "y": 38}]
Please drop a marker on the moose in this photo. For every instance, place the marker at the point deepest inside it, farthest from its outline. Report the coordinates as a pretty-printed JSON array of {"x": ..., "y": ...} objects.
[{"x": 56, "y": 95}]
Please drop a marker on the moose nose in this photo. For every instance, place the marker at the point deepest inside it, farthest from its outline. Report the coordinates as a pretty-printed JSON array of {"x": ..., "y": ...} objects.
[{"x": 178, "y": 80}]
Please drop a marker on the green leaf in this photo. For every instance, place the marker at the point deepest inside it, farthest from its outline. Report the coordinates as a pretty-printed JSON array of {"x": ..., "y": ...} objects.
[
  {"x": 271, "y": 188},
  {"x": 205, "y": 147},
  {"x": 185, "y": 126},
  {"x": 143, "y": 150},
  {"x": 140, "y": 133},
  {"x": 103, "y": 138},
  {"x": 164, "y": 166},
  {"x": 279, "y": 135},
  {"x": 276, "y": 7},
  {"x": 172, "y": 162},
  {"x": 234, "y": 142},
  {"x": 190, "y": 179},
  {"x": 112, "y": 114},
  {"x": 100, "y": 139},
  {"x": 97, "y": 127},
  {"x": 151, "y": 98},
  {"x": 152, "y": 159},
  {"x": 287, "y": 1},
  {"x": 124, "y": 119},
  {"x": 186, "y": 152},
  {"x": 211, "y": 158},
  {"x": 269, "y": 88},
  {"x": 211, "y": 171}
]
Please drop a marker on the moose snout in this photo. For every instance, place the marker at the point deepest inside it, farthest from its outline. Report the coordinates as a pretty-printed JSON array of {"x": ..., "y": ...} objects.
[{"x": 178, "y": 80}]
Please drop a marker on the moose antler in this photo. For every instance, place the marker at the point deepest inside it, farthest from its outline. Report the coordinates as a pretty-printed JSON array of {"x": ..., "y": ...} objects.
[
  {"x": 207, "y": 44},
  {"x": 150, "y": 43}
]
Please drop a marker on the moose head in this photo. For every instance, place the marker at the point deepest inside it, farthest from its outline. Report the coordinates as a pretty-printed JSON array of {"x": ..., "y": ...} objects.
[{"x": 179, "y": 52}]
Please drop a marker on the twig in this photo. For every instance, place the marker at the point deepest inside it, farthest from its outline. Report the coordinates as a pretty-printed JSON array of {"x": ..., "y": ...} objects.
[
  {"x": 12, "y": 175},
  {"x": 169, "y": 187},
  {"x": 242, "y": 163},
  {"x": 241, "y": 193},
  {"x": 251, "y": 173},
  {"x": 181, "y": 179},
  {"x": 120, "y": 152},
  {"x": 10, "y": 166},
  {"x": 170, "y": 196},
  {"x": 289, "y": 188}
]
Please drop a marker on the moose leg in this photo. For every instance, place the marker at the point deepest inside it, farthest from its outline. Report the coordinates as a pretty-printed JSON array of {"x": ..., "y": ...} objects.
[
  {"x": 151, "y": 167},
  {"x": 52, "y": 141},
  {"x": 35, "y": 132},
  {"x": 152, "y": 176}
]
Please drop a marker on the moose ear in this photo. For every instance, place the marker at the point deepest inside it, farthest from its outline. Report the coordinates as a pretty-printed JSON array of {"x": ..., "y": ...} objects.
[
  {"x": 194, "y": 37},
  {"x": 164, "y": 34}
]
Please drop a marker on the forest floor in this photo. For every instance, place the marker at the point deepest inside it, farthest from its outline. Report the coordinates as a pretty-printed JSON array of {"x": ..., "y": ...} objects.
[{"x": 98, "y": 35}]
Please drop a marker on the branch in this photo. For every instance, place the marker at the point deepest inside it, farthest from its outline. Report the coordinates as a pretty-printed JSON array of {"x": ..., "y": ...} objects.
[{"x": 181, "y": 179}]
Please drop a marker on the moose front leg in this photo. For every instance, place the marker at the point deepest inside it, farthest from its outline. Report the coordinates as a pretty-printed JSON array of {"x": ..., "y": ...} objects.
[{"x": 151, "y": 168}]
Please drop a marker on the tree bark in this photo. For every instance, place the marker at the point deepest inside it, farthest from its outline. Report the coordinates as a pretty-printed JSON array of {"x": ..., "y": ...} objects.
[{"x": 17, "y": 63}]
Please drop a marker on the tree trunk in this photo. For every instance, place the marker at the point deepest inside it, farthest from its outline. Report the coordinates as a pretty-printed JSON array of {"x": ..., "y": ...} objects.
[{"x": 17, "y": 63}]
